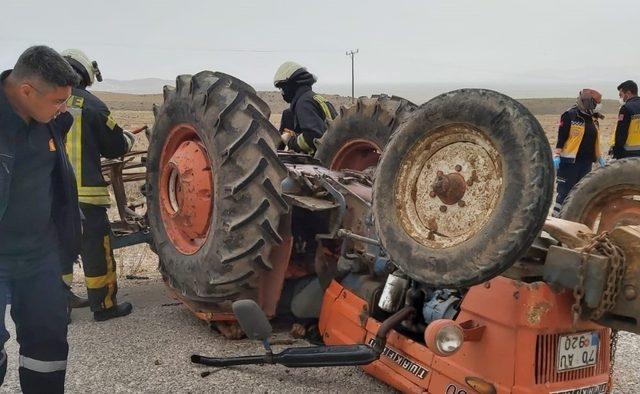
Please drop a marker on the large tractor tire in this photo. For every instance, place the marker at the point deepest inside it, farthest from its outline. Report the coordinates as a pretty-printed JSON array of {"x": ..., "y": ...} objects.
[
  {"x": 357, "y": 136},
  {"x": 214, "y": 189},
  {"x": 463, "y": 188},
  {"x": 607, "y": 197}
]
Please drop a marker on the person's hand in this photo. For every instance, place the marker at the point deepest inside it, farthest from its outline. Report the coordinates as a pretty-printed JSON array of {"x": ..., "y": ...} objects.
[
  {"x": 556, "y": 162},
  {"x": 602, "y": 161},
  {"x": 286, "y": 135}
]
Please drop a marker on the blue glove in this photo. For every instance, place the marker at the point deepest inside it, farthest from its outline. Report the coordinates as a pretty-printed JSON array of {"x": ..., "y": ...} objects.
[
  {"x": 601, "y": 161},
  {"x": 556, "y": 162}
]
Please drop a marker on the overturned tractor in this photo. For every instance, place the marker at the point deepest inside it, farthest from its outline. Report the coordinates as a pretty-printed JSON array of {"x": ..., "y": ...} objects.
[{"x": 414, "y": 237}]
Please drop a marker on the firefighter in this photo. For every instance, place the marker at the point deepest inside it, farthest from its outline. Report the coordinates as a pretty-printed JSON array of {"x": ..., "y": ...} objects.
[
  {"x": 39, "y": 215},
  {"x": 94, "y": 134},
  {"x": 626, "y": 139},
  {"x": 311, "y": 112},
  {"x": 578, "y": 144}
]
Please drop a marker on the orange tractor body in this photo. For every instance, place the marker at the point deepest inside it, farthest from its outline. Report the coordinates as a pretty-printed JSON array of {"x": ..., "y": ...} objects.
[{"x": 512, "y": 332}]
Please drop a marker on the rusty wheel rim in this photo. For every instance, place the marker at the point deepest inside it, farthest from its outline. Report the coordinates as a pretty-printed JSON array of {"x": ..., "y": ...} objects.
[
  {"x": 185, "y": 189},
  {"x": 358, "y": 154},
  {"x": 613, "y": 207},
  {"x": 448, "y": 186}
]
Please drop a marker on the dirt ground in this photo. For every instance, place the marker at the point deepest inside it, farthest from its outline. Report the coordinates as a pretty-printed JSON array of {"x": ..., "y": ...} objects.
[{"x": 149, "y": 350}]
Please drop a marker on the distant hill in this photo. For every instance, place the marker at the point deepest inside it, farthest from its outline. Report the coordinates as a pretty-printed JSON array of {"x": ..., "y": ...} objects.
[
  {"x": 136, "y": 86},
  {"x": 552, "y": 106},
  {"x": 144, "y": 102}
]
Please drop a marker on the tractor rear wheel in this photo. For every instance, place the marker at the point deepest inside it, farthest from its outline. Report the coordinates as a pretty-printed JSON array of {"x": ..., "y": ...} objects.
[
  {"x": 463, "y": 188},
  {"x": 357, "y": 136},
  {"x": 214, "y": 189},
  {"x": 607, "y": 197}
]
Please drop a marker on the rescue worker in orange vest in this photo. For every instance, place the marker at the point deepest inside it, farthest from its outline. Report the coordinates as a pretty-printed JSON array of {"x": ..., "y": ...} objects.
[
  {"x": 94, "y": 134},
  {"x": 578, "y": 144},
  {"x": 311, "y": 112},
  {"x": 626, "y": 140}
]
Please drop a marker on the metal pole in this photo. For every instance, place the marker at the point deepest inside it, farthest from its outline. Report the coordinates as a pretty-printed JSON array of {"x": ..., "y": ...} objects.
[{"x": 352, "y": 54}]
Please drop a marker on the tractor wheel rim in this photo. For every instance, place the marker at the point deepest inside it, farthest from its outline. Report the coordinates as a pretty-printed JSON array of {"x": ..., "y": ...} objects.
[
  {"x": 448, "y": 186},
  {"x": 358, "y": 154},
  {"x": 186, "y": 189},
  {"x": 613, "y": 207}
]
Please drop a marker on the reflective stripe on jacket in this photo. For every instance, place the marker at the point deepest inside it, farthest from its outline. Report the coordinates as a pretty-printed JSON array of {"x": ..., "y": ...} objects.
[{"x": 576, "y": 133}]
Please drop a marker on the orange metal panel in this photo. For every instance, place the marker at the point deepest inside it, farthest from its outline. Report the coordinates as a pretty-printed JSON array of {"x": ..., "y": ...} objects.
[{"x": 516, "y": 351}]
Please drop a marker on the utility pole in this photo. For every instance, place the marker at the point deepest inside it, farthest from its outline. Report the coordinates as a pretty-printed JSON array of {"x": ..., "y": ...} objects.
[{"x": 352, "y": 54}]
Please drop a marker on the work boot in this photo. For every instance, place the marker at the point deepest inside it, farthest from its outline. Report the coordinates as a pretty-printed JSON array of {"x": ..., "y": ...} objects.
[
  {"x": 76, "y": 301},
  {"x": 116, "y": 311}
]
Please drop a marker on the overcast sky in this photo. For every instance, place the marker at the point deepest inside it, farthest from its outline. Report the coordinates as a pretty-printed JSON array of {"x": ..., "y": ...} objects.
[{"x": 538, "y": 43}]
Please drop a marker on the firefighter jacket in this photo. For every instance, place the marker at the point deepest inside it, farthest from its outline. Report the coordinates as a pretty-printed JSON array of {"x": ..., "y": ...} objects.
[
  {"x": 94, "y": 134},
  {"x": 574, "y": 128},
  {"x": 627, "y": 134},
  {"x": 65, "y": 212},
  {"x": 311, "y": 116}
]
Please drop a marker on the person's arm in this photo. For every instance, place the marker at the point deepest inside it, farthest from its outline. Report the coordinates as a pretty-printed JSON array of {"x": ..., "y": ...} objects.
[
  {"x": 63, "y": 123},
  {"x": 112, "y": 139},
  {"x": 622, "y": 131},
  {"x": 563, "y": 133},
  {"x": 311, "y": 125}
]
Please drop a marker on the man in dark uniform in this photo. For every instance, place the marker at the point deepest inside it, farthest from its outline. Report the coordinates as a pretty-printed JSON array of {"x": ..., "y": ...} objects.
[
  {"x": 627, "y": 135},
  {"x": 94, "y": 134},
  {"x": 39, "y": 215},
  {"x": 578, "y": 144},
  {"x": 310, "y": 111}
]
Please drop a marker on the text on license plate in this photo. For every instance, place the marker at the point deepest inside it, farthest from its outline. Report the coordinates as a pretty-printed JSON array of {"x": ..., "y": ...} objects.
[{"x": 577, "y": 351}]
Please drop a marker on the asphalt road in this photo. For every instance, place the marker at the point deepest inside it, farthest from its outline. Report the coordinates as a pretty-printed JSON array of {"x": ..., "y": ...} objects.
[{"x": 148, "y": 352}]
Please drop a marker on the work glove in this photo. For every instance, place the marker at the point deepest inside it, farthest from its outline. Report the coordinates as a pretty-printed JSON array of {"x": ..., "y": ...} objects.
[
  {"x": 286, "y": 136},
  {"x": 556, "y": 162},
  {"x": 602, "y": 161},
  {"x": 130, "y": 138}
]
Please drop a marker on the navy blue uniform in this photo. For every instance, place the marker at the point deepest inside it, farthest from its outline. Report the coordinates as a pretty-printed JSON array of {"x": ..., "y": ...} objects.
[{"x": 39, "y": 230}]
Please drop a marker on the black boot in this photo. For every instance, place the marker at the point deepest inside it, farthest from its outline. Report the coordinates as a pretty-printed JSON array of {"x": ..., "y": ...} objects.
[
  {"x": 76, "y": 301},
  {"x": 116, "y": 311}
]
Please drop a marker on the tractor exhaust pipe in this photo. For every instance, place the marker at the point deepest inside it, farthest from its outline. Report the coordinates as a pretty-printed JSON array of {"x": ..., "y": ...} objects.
[
  {"x": 255, "y": 324},
  {"x": 300, "y": 357}
]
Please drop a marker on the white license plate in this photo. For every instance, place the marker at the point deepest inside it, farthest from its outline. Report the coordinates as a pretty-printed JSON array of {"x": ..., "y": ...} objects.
[{"x": 577, "y": 351}]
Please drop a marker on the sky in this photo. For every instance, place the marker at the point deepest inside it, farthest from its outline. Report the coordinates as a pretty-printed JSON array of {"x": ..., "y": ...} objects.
[{"x": 546, "y": 47}]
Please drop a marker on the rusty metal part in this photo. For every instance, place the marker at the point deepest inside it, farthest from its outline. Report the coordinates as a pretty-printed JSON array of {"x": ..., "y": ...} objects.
[
  {"x": 450, "y": 188},
  {"x": 139, "y": 129},
  {"x": 186, "y": 189},
  {"x": 602, "y": 245},
  {"x": 357, "y": 154},
  {"x": 625, "y": 315},
  {"x": 614, "y": 207},
  {"x": 563, "y": 266},
  {"x": 130, "y": 228},
  {"x": 454, "y": 161}
]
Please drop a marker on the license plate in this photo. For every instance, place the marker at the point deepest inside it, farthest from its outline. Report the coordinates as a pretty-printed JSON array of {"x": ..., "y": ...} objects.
[
  {"x": 595, "y": 389},
  {"x": 577, "y": 351}
]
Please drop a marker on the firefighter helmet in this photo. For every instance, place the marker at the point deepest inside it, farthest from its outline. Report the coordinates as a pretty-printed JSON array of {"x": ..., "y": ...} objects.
[
  {"x": 285, "y": 71},
  {"x": 88, "y": 69}
]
